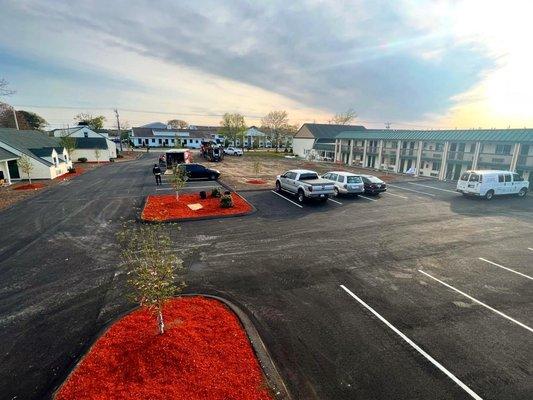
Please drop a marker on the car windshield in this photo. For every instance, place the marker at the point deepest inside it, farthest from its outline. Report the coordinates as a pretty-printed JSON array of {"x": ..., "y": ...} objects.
[
  {"x": 354, "y": 179},
  {"x": 373, "y": 179},
  {"x": 308, "y": 176}
]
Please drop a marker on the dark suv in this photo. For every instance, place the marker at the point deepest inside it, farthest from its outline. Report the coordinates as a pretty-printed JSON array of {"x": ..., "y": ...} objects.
[{"x": 198, "y": 171}]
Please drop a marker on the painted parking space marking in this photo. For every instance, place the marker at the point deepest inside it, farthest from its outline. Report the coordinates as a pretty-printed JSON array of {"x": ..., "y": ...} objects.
[
  {"x": 412, "y": 190},
  {"x": 508, "y": 269},
  {"x": 414, "y": 346},
  {"x": 396, "y": 195},
  {"x": 368, "y": 198},
  {"x": 478, "y": 302},
  {"x": 530, "y": 248},
  {"x": 284, "y": 198},
  {"x": 335, "y": 201},
  {"x": 433, "y": 187}
]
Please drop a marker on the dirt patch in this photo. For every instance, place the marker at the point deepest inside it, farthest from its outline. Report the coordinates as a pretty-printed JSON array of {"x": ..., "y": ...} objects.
[
  {"x": 239, "y": 172},
  {"x": 204, "y": 354},
  {"x": 164, "y": 208}
]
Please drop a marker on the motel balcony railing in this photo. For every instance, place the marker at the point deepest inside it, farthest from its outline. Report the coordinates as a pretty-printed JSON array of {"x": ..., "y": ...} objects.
[
  {"x": 503, "y": 160},
  {"x": 432, "y": 154},
  {"x": 358, "y": 149},
  {"x": 460, "y": 156},
  {"x": 408, "y": 152},
  {"x": 372, "y": 149}
]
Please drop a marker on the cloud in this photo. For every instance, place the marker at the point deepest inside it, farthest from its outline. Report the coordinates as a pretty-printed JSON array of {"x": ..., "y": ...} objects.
[{"x": 379, "y": 57}]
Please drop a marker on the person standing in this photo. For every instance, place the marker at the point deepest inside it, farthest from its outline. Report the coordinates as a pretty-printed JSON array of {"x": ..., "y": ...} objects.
[{"x": 157, "y": 173}]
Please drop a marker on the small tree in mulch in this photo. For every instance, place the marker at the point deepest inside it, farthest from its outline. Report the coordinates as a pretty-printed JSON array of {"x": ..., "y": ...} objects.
[
  {"x": 25, "y": 166},
  {"x": 178, "y": 179},
  {"x": 256, "y": 168},
  {"x": 97, "y": 155},
  {"x": 226, "y": 201},
  {"x": 152, "y": 266}
]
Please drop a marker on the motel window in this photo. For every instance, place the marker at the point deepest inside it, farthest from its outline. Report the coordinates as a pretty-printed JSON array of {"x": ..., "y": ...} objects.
[
  {"x": 153, "y": 140},
  {"x": 436, "y": 166},
  {"x": 503, "y": 149},
  {"x": 439, "y": 147}
]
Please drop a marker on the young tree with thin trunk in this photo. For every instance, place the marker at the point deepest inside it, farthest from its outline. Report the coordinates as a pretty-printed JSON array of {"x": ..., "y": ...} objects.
[
  {"x": 152, "y": 266},
  {"x": 275, "y": 122},
  {"x": 178, "y": 179},
  {"x": 97, "y": 155},
  {"x": 343, "y": 118},
  {"x": 25, "y": 165}
]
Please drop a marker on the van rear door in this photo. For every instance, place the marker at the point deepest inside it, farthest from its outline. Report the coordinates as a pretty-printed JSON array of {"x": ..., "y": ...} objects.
[{"x": 462, "y": 183}]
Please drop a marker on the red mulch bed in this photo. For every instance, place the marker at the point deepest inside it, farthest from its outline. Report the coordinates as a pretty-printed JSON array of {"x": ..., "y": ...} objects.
[
  {"x": 33, "y": 186},
  {"x": 204, "y": 354},
  {"x": 69, "y": 176},
  {"x": 256, "y": 181},
  {"x": 166, "y": 208}
]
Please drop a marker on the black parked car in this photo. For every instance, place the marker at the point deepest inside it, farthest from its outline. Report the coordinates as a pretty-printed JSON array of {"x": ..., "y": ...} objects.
[
  {"x": 198, "y": 171},
  {"x": 373, "y": 185}
]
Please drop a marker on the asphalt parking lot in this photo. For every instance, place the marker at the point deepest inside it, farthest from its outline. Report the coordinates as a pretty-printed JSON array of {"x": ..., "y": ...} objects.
[{"x": 418, "y": 293}]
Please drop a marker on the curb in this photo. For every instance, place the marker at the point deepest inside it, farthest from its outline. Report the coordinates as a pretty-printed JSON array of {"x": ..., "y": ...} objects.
[{"x": 271, "y": 373}]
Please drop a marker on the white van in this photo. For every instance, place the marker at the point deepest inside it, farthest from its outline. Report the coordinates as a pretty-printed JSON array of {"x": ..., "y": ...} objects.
[{"x": 488, "y": 184}]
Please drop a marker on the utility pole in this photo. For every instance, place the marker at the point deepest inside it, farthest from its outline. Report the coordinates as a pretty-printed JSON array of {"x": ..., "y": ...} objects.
[
  {"x": 118, "y": 129},
  {"x": 15, "y": 116},
  {"x": 387, "y": 125}
]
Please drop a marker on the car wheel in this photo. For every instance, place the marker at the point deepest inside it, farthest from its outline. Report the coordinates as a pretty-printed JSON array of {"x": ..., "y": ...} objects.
[
  {"x": 278, "y": 186},
  {"x": 336, "y": 190},
  {"x": 301, "y": 196},
  {"x": 489, "y": 195},
  {"x": 522, "y": 192}
]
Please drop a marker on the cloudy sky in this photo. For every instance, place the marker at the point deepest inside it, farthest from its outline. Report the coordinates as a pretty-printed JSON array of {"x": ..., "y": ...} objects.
[{"x": 414, "y": 63}]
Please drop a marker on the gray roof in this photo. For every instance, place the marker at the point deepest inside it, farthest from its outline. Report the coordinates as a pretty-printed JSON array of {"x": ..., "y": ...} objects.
[
  {"x": 329, "y": 130},
  {"x": 24, "y": 140},
  {"x": 6, "y": 155},
  {"x": 459, "y": 135},
  {"x": 91, "y": 143},
  {"x": 156, "y": 125}
]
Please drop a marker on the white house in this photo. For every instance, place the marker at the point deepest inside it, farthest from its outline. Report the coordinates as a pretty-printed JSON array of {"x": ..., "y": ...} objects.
[
  {"x": 89, "y": 143},
  {"x": 252, "y": 137},
  {"x": 48, "y": 157},
  {"x": 191, "y": 137}
]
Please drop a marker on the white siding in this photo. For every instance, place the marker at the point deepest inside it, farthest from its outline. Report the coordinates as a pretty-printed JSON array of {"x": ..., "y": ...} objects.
[
  {"x": 302, "y": 146},
  {"x": 89, "y": 155}
]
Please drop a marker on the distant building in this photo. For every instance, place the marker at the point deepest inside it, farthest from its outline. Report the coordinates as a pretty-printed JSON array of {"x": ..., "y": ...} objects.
[
  {"x": 442, "y": 154},
  {"x": 48, "y": 157},
  {"x": 89, "y": 140},
  {"x": 191, "y": 137},
  {"x": 252, "y": 137}
]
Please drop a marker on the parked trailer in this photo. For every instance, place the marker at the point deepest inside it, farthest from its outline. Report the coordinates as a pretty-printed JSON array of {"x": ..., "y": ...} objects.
[{"x": 178, "y": 156}]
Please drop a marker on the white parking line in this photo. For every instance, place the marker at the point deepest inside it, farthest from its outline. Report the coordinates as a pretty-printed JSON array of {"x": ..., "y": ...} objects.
[
  {"x": 396, "y": 195},
  {"x": 335, "y": 201},
  {"x": 283, "y": 197},
  {"x": 530, "y": 248},
  {"x": 479, "y": 302},
  {"x": 164, "y": 189},
  {"x": 415, "y": 346},
  {"x": 433, "y": 187},
  {"x": 412, "y": 190},
  {"x": 508, "y": 269},
  {"x": 368, "y": 198}
]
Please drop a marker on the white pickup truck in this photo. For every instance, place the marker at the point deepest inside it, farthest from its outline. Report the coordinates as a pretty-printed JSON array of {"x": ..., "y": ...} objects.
[{"x": 304, "y": 184}]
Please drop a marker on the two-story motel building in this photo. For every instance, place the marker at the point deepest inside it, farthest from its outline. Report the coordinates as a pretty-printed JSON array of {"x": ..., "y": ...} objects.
[{"x": 442, "y": 154}]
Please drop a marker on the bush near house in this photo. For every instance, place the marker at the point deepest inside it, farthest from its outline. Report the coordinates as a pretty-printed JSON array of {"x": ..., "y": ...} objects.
[{"x": 82, "y": 159}]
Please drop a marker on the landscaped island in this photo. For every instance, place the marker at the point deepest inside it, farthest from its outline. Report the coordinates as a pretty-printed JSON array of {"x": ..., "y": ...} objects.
[{"x": 203, "y": 354}]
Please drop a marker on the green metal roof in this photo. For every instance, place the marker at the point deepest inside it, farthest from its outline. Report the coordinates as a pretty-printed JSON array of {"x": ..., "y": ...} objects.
[
  {"x": 472, "y": 135},
  {"x": 329, "y": 130},
  {"x": 7, "y": 155}
]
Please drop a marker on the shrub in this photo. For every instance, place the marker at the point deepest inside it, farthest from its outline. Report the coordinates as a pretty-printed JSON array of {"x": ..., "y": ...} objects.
[
  {"x": 226, "y": 201},
  {"x": 120, "y": 156},
  {"x": 215, "y": 192},
  {"x": 286, "y": 150},
  {"x": 82, "y": 159},
  {"x": 203, "y": 194},
  {"x": 71, "y": 170}
]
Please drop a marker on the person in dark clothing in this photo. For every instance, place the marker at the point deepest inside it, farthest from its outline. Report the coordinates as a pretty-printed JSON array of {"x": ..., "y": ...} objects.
[{"x": 157, "y": 172}]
